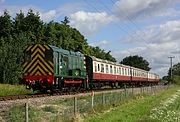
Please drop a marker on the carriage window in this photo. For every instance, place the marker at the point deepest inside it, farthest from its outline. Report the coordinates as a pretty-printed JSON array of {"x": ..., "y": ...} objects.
[
  {"x": 95, "y": 65},
  {"x": 98, "y": 67},
  {"x": 122, "y": 71},
  {"x": 119, "y": 70},
  {"x": 102, "y": 67},
  {"x": 114, "y": 70},
  {"x": 111, "y": 70},
  {"x": 107, "y": 69}
]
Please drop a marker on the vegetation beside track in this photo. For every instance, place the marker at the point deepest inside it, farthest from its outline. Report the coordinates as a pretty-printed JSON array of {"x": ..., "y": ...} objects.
[
  {"x": 176, "y": 79},
  {"x": 6, "y": 89},
  {"x": 136, "y": 110},
  {"x": 125, "y": 105}
]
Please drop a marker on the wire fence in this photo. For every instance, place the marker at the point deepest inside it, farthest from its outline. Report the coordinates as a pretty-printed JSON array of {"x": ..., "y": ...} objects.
[{"x": 69, "y": 108}]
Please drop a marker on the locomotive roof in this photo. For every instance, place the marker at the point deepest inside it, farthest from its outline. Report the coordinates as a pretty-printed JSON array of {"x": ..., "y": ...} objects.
[{"x": 57, "y": 49}]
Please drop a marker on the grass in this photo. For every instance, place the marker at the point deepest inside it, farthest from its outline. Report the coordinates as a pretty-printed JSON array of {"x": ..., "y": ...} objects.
[
  {"x": 117, "y": 107},
  {"x": 7, "y": 89},
  {"x": 135, "y": 110},
  {"x": 168, "y": 111},
  {"x": 17, "y": 114}
]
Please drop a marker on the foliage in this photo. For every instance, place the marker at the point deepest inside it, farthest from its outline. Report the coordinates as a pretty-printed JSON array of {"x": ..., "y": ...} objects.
[
  {"x": 176, "y": 79},
  {"x": 136, "y": 61},
  {"x": 168, "y": 111},
  {"x": 136, "y": 110},
  {"x": 17, "y": 114},
  {"x": 7, "y": 89},
  {"x": 99, "y": 53},
  {"x": 175, "y": 70},
  {"x": 16, "y": 33},
  {"x": 176, "y": 74}
]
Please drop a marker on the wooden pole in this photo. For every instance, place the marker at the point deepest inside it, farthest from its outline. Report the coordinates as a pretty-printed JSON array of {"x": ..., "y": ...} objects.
[
  {"x": 75, "y": 106},
  {"x": 26, "y": 113},
  {"x": 92, "y": 100}
]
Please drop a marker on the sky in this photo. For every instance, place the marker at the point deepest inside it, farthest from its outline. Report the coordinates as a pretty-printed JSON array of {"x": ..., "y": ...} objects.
[{"x": 148, "y": 28}]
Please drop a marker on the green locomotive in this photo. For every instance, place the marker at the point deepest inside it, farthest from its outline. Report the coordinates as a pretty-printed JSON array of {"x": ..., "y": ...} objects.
[{"x": 48, "y": 67}]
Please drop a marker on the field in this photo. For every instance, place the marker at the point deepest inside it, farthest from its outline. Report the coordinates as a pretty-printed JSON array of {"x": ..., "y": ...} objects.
[
  {"x": 161, "y": 107},
  {"x": 6, "y": 89}
]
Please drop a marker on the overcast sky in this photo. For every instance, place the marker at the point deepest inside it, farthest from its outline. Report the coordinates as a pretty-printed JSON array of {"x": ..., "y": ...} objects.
[{"x": 149, "y": 28}]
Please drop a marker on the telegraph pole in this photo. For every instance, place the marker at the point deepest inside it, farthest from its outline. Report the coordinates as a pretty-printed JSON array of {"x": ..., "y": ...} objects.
[{"x": 171, "y": 61}]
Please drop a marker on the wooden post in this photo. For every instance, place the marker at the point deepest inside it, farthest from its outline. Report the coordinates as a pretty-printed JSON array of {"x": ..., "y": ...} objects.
[
  {"x": 75, "y": 106},
  {"x": 132, "y": 90},
  {"x": 26, "y": 112},
  {"x": 125, "y": 90},
  {"x": 92, "y": 100},
  {"x": 103, "y": 98}
]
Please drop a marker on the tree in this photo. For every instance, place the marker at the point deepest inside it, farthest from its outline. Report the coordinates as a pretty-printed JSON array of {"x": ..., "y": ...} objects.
[
  {"x": 99, "y": 53},
  {"x": 136, "y": 61},
  {"x": 65, "y": 21},
  {"x": 6, "y": 25},
  {"x": 175, "y": 70}
]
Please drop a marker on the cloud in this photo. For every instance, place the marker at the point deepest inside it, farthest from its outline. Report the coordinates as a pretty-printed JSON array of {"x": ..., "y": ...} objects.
[
  {"x": 88, "y": 22},
  {"x": 161, "y": 42},
  {"x": 47, "y": 16},
  {"x": 69, "y": 8},
  {"x": 2, "y": 1},
  {"x": 140, "y": 9},
  {"x": 14, "y": 9},
  {"x": 102, "y": 44}
]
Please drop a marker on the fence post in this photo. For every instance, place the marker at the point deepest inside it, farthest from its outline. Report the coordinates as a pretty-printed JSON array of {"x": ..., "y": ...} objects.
[
  {"x": 132, "y": 90},
  {"x": 26, "y": 113},
  {"x": 92, "y": 100},
  {"x": 151, "y": 89},
  {"x": 75, "y": 106},
  {"x": 103, "y": 98},
  {"x": 125, "y": 90},
  {"x": 141, "y": 89}
]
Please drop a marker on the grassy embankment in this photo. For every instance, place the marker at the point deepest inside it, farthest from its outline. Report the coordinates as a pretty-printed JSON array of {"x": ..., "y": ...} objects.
[
  {"x": 6, "y": 89},
  {"x": 143, "y": 109}
]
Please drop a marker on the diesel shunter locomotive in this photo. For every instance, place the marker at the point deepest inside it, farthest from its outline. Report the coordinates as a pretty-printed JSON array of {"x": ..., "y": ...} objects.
[{"x": 47, "y": 67}]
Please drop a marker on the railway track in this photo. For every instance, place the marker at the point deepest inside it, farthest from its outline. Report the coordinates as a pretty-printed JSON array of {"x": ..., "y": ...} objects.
[{"x": 25, "y": 96}]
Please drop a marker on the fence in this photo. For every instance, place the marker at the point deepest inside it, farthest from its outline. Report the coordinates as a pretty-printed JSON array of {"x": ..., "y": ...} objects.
[{"x": 68, "y": 108}]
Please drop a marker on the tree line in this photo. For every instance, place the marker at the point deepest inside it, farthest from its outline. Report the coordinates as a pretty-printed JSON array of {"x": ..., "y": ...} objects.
[{"x": 25, "y": 29}]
